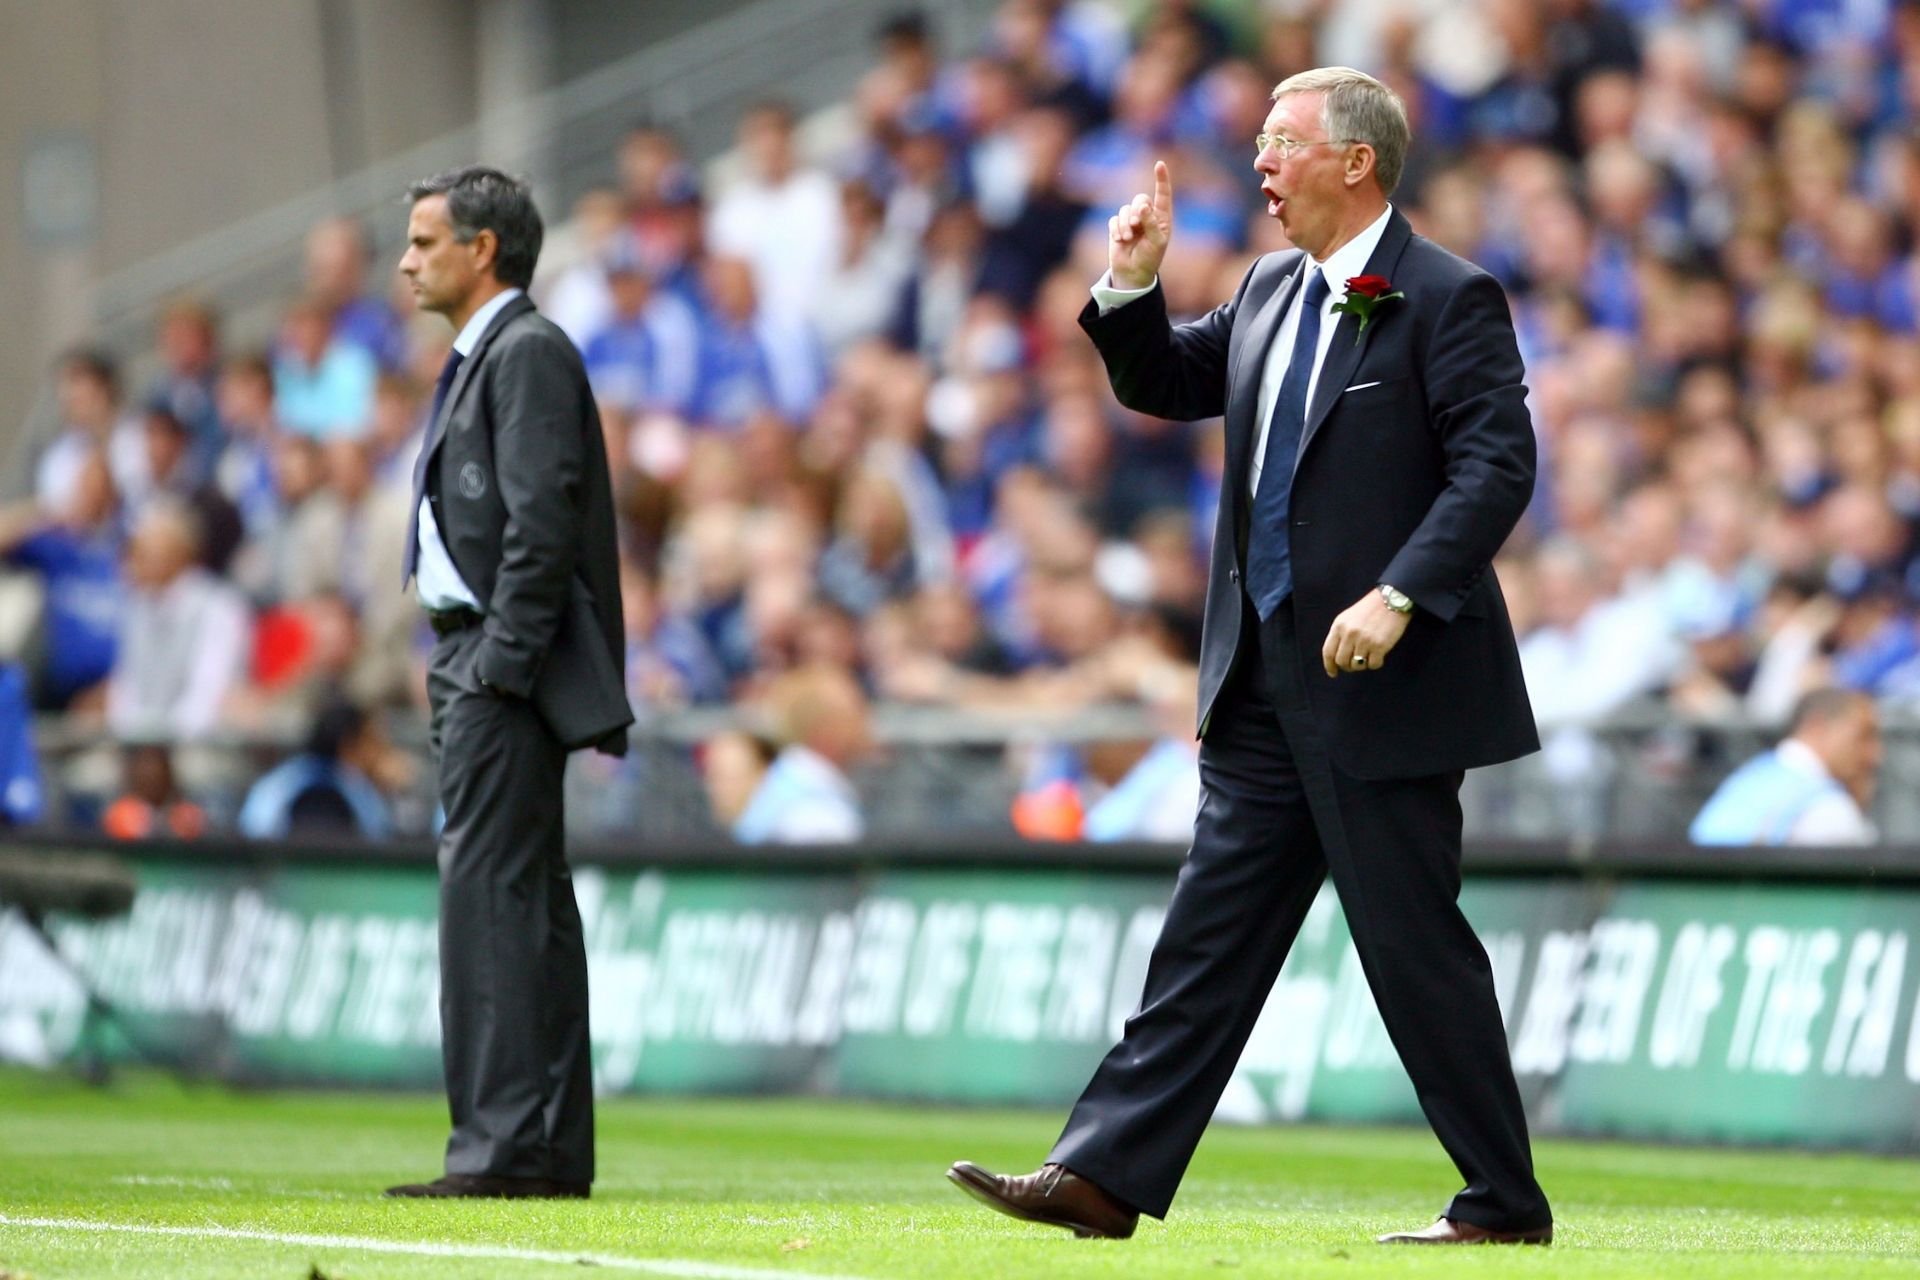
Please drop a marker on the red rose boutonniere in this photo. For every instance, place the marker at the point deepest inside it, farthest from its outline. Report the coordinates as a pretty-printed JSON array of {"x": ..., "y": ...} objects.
[{"x": 1364, "y": 296}]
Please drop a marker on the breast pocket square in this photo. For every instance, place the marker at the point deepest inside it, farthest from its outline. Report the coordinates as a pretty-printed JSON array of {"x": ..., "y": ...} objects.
[{"x": 1362, "y": 386}]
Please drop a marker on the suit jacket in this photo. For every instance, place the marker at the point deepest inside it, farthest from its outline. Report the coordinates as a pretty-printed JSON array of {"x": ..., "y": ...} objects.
[
  {"x": 516, "y": 472},
  {"x": 1416, "y": 462}
]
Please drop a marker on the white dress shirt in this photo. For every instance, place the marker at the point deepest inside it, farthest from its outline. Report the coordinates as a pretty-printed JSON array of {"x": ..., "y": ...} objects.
[
  {"x": 183, "y": 647},
  {"x": 1836, "y": 817},
  {"x": 791, "y": 232},
  {"x": 1580, "y": 674},
  {"x": 1349, "y": 260},
  {"x": 440, "y": 583}
]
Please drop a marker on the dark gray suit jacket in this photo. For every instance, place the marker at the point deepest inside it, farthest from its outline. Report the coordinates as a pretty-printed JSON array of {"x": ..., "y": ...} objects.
[
  {"x": 1416, "y": 463},
  {"x": 516, "y": 472}
]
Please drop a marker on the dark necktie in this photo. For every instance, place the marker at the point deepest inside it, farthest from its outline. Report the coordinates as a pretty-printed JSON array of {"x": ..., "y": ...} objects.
[
  {"x": 1269, "y": 560},
  {"x": 440, "y": 389}
]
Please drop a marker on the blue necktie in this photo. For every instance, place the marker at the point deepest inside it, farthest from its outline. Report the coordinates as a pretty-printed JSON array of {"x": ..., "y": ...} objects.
[
  {"x": 1269, "y": 561},
  {"x": 440, "y": 389},
  {"x": 444, "y": 385}
]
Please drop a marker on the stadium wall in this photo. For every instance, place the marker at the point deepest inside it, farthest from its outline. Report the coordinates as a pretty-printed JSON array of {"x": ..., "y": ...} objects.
[{"x": 1763, "y": 996}]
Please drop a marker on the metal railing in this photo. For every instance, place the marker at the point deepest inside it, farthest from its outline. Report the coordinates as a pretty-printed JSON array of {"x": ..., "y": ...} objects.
[{"x": 1641, "y": 775}]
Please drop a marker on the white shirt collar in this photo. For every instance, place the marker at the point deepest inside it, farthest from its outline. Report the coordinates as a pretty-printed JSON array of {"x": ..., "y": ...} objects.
[
  {"x": 1350, "y": 259},
  {"x": 469, "y": 337},
  {"x": 805, "y": 762},
  {"x": 1802, "y": 758}
]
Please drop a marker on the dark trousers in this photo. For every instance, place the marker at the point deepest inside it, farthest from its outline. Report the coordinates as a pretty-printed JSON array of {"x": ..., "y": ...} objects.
[
  {"x": 1275, "y": 818},
  {"x": 513, "y": 964}
]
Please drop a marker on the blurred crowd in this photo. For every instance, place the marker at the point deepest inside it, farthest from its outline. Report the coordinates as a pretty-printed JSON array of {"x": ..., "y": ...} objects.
[{"x": 863, "y": 453}]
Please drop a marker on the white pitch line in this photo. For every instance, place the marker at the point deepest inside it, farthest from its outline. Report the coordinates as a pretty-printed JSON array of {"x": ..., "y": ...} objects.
[{"x": 429, "y": 1249}]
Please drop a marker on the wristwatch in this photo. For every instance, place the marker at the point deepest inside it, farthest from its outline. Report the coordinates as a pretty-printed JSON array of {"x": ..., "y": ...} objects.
[{"x": 1397, "y": 600}]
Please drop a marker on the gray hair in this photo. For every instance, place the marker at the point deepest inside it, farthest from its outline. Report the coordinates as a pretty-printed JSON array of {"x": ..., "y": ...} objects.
[
  {"x": 1358, "y": 108},
  {"x": 481, "y": 199},
  {"x": 1825, "y": 705},
  {"x": 1568, "y": 550}
]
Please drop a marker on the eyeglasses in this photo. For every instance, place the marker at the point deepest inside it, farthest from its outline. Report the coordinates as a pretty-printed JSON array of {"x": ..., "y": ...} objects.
[{"x": 1287, "y": 146}]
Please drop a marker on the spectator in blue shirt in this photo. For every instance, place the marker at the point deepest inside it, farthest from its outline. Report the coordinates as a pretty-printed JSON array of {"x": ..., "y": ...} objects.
[
  {"x": 190, "y": 350},
  {"x": 669, "y": 662},
  {"x": 336, "y": 272},
  {"x": 243, "y": 472},
  {"x": 871, "y": 559},
  {"x": 752, "y": 362},
  {"x": 323, "y": 386},
  {"x": 1037, "y": 233},
  {"x": 1078, "y": 43},
  {"x": 1813, "y": 788},
  {"x": 76, "y": 552},
  {"x": 1104, "y": 167},
  {"x": 647, "y": 356},
  {"x": 805, "y": 796},
  {"x": 328, "y": 789},
  {"x": 22, "y": 798}
]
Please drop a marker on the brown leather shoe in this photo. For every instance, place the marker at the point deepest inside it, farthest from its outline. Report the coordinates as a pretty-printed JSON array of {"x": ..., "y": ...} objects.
[
  {"x": 1054, "y": 1195},
  {"x": 1454, "y": 1231},
  {"x": 481, "y": 1186}
]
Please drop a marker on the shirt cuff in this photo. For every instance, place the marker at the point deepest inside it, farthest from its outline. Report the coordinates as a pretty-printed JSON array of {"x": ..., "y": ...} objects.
[{"x": 1107, "y": 297}]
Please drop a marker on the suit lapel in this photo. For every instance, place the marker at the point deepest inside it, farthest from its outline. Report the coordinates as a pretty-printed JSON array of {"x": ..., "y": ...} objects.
[
  {"x": 1348, "y": 345},
  {"x": 1243, "y": 427},
  {"x": 438, "y": 430}
]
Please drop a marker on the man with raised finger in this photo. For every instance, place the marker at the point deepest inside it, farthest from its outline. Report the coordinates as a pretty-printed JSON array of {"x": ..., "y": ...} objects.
[{"x": 1357, "y": 658}]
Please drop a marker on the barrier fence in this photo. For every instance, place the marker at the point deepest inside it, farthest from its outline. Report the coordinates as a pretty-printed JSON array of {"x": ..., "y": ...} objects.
[
  {"x": 1639, "y": 775},
  {"x": 1654, "y": 991}
]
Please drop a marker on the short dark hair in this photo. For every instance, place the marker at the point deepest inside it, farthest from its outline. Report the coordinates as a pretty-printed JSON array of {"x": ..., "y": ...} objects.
[
  {"x": 338, "y": 722},
  {"x": 95, "y": 364},
  {"x": 906, "y": 26},
  {"x": 249, "y": 364},
  {"x": 482, "y": 199},
  {"x": 160, "y": 414}
]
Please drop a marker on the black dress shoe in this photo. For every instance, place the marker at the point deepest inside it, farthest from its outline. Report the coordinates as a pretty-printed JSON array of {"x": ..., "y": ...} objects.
[
  {"x": 486, "y": 1186},
  {"x": 1054, "y": 1195}
]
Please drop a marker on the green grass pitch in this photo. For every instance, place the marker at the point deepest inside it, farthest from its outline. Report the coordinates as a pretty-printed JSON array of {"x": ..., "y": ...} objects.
[{"x": 264, "y": 1185}]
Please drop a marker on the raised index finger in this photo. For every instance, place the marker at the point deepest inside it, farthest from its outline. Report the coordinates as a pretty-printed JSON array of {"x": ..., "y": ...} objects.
[{"x": 1162, "y": 189}]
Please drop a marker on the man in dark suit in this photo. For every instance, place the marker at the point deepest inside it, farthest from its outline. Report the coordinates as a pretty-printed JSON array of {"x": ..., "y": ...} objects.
[
  {"x": 514, "y": 555},
  {"x": 1357, "y": 657}
]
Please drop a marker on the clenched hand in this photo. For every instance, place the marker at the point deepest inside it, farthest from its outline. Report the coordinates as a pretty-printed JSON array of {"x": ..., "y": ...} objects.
[{"x": 1362, "y": 636}]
